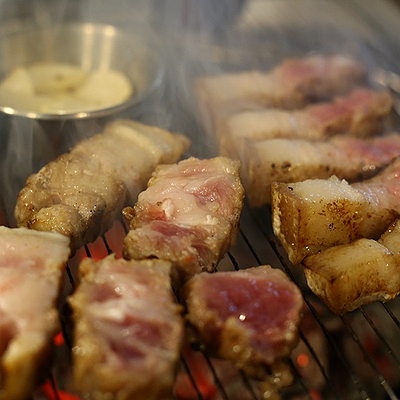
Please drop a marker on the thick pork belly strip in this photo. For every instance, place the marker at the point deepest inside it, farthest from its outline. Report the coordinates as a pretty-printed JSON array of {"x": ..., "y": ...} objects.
[
  {"x": 249, "y": 316},
  {"x": 128, "y": 330},
  {"x": 361, "y": 113},
  {"x": 290, "y": 84},
  {"x": 82, "y": 192},
  {"x": 348, "y": 276},
  {"x": 31, "y": 267},
  {"x": 315, "y": 214},
  {"x": 293, "y": 160},
  {"x": 188, "y": 215}
]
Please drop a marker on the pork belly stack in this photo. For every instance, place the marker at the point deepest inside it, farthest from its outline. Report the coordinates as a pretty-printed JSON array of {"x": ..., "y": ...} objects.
[
  {"x": 189, "y": 215},
  {"x": 128, "y": 330},
  {"x": 348, "y": 276},
  {"x": 31, "y": 266},
  {"x": 315, "y": 214},
  {"x": 82, "y": 192},
  {"x": 250, "y": 316},
  {"x": 293, "y": 160}
]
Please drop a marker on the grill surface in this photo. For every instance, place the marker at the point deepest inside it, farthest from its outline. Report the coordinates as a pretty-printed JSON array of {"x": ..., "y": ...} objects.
[{"x": 356, "y": 356}]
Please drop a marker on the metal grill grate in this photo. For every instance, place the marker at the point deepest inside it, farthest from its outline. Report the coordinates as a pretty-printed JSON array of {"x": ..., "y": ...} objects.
[{"x": 356, "y": 356}]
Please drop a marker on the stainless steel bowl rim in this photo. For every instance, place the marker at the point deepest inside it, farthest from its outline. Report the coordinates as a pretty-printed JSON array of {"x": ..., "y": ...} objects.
[{"x": 96, "y": 113}]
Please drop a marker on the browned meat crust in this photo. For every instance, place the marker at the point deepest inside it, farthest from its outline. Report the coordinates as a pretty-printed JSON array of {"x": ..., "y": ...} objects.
[
  {"x": 348, "y": 276},
  {"x": 188, "y": 215},
  {"x": 82, "y": 192},
  {"x": 128, "y": 330},
  {"x": 249, "y": 316},
  {"x": 31, "y": 269}
]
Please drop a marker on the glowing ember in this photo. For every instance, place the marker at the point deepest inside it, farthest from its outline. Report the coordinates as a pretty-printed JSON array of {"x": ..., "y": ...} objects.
[
  {"x": 303, "y": 360},
  {"x": 59, "y": 339},
  {"x": 52, "y": 394}
]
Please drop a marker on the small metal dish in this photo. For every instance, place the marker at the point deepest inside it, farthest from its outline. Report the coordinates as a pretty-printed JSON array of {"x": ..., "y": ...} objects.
[{"x": 91, "y": 47}]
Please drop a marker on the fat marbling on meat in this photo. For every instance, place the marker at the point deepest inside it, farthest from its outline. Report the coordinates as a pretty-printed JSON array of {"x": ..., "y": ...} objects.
[
  {"x": 189, "y": 214},
  {"x": 315, "y": 214},
  {"x": 293, "y": 160},
  {"x": 249, "y": 316},
  {"x": 348, "y": 276},
  {"x": 31, "y": 268},
  {"x": 290, "y": 84},
  {"x": 81, "y": 193},
  {"x": 361, "y": 113},
  {"x": 128, "y": 330}
]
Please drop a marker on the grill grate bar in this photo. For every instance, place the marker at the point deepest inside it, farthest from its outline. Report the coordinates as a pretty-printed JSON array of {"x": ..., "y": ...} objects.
[
  {"x": 288, "y": 269},
  {"x": 370, "y": 361},
  {"x": 381, "y": 337},
  {"x": 299, "y": 379},
  {"x": 392, "y": 316},
  {"x": 217, "y": 381},
  {"x": 191, "y": 378},
  {"x": 331, "y": 387}
]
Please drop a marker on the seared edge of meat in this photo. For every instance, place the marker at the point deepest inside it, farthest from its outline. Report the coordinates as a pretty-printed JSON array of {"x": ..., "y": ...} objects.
[
  {"x": 82, "y": 192},
  {"x": 294, "y": 160},
  {"x": 315, "y": 214},
  {"x": 31, "y": 267},
  {"x": 188, "y": 215},
  {"x": 128, "y": 330},
  {"x": 348, "y": 276},
  {"x": 250, "y": 316}
]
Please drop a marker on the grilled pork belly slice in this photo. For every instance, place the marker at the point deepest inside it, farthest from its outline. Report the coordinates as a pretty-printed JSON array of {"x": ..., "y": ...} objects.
[
  {"x": 315, "y": 214},
  {"x": 293, "y": 160},
  {"x": 290, "y": 84},
  {"x": 128, "y": 330},
  {"x": 82, "y": 192},
  {"x": 31, "y": 267},
  {"x": 188, "y": 215},
  {"x": 250, "y": 316},
  {"x": 361, "y": 113},
  {"x": 348, "y": 276}
]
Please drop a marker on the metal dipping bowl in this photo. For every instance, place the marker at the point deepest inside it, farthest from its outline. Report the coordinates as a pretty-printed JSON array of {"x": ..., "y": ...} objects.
[{"x": 29, "y": 139}]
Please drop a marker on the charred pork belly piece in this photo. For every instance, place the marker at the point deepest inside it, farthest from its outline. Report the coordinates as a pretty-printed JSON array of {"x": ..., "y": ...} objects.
[
  {"x": 293, "y": 160},
  {"x": 128, "y": 330},
  {"x": 348, "y": 276},
  {"x": 188, "y": 215},
  {"x": 82, "y": 192},
  {"x": 362, "y": 113},
  {"x": 315, "y": 214},
  {"x": 31, "y": 267},
  {"x": 250, "y": 316}
]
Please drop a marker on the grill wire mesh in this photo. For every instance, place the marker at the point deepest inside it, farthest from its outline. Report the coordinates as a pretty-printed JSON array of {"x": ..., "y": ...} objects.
[{"x": 356, "y": 356}]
